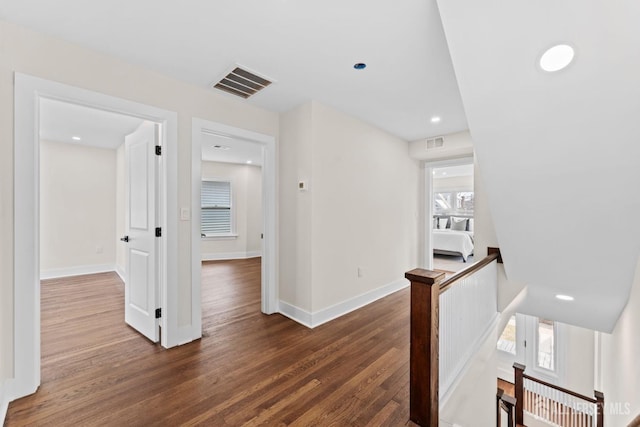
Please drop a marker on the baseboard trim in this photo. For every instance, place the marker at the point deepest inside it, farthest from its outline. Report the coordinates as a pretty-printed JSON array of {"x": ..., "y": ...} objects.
[
  {"x": 230, "y": 255},
  {"x": 312, "y": 320},
  {"x": 296, "y": 314},
  {"x": 120, "y": 272},
  {"x": 330, "y": 313},
  {"x": 76, "y": 271}
]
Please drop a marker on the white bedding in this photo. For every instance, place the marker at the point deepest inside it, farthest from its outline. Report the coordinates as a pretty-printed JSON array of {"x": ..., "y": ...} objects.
[{"x": 453, "y": 241}]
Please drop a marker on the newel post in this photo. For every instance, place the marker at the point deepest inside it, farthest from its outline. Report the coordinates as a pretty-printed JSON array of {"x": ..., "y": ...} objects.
[
  {"x": 518, "y": 383},
  {"x": 425, "y": 299},
  {"x": 599, "y": 407}
]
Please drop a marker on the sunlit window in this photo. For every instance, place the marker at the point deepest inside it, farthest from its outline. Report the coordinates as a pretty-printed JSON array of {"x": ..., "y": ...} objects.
[
  {"x": 546, "y": 344},
  {"x": 507, "y": 341}
]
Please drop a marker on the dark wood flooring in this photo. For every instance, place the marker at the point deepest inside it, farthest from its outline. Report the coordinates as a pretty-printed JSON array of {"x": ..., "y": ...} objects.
[{"x": 249, "y": 369}]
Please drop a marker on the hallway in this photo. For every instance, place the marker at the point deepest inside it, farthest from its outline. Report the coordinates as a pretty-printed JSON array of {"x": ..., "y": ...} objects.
[{"x": 248, "y": 369}]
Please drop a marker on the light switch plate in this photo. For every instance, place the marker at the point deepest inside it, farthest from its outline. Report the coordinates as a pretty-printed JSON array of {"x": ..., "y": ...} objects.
[{"x": 185, "y": 214}]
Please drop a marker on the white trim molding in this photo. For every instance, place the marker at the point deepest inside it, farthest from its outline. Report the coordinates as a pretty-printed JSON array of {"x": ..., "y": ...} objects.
[
  {"x": 28, "y": 92},
  {"x": 312, "y": 320},
  {"x": 4, "y": 402},
  {"x": 80, "y": 270},
  {"x": 269, "y": 211},
  {"x": 219, "y": 256}
]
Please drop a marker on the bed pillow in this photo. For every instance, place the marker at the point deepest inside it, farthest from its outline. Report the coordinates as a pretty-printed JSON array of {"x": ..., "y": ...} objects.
[
  {"x": 442, "y": 223},
  {"x": 435, "y": 222},
  {"x": 470, "y": 224},
  {"x": 458, "y": 224}
]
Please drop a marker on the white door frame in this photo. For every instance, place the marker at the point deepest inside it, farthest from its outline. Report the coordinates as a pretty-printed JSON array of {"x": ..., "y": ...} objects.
[
  {"x": 26, "y": 316},
  {"x": 269, "y": 270},
  {"x": 429, "y": 166}
]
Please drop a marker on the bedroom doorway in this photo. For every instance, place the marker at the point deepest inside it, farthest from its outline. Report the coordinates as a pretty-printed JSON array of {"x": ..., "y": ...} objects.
[
  {"x": 451, "y": 215},
  {"x": 259, "y": 149}
]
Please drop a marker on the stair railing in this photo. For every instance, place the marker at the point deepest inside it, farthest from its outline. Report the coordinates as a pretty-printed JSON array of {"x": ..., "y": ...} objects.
[
  {"x": 555, "y": 404},
  {"x": 448, "y": 321}
]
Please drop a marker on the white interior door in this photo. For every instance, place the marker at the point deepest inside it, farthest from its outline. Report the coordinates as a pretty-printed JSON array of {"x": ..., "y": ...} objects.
[{"x": 141, "y": 279}]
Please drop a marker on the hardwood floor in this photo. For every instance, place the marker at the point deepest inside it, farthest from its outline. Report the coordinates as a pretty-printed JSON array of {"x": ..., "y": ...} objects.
[{"x": 249, "y": 369}]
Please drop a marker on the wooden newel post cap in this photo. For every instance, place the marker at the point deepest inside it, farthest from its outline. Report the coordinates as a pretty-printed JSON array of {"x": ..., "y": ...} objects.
[{"x": 421, "y": 275}]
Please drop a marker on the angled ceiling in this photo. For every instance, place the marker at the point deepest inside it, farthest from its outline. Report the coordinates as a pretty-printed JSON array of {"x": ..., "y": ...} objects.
[
  {"x": 307, "y": 47},
  {"x": 558, "y": 152}
]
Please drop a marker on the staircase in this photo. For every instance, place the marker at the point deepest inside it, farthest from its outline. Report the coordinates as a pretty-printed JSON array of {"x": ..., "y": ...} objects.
[{"x": 547, "y": 404}]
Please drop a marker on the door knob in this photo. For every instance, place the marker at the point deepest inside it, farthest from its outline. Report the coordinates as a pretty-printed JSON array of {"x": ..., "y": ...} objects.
[{"x": 125, "y": 238}]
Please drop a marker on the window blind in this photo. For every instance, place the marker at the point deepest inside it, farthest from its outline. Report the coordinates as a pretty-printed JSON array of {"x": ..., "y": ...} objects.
[{"x": 216, "y": 208}]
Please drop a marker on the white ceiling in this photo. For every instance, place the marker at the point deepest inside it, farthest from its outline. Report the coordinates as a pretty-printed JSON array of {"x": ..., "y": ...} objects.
[
  {"x": 232, "y": 150},
  {"x": 558, "y": 152},
  {"x": 308, "y": 47},
  {"x": 61, "y": 121},
  {"x": 453, "y": 171}
]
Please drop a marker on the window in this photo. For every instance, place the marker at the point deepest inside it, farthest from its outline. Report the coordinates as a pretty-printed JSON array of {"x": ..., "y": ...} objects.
[
  {"x": 507, "y": 341},
  {"x": 546, "y": 344},
  {"x": 215, "y": 209},
  {"x": 453, "y": 203}
]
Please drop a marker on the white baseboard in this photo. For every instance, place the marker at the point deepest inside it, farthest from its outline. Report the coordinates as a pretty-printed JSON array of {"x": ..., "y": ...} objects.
[
  {"x": 296, "y": 313},
  {"x": 311, "y": 320},
  {"x": 230, "y": 255},
  {"x": 120, "y": 272},
  {"x": 76, "y": 271}
]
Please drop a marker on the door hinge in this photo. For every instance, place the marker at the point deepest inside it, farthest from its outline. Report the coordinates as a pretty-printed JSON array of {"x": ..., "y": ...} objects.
[
  {"x": 158, "y": 313},
  {"x": 158, "y": 232},
  {"x": 158, "y": 150},
  {"x": 525, "y": 343}
]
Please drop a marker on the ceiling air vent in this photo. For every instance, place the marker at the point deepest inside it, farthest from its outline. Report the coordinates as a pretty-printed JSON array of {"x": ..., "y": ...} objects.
[
  {"x": 242, "y": 83},
  {"x": 437, "y": 142}
]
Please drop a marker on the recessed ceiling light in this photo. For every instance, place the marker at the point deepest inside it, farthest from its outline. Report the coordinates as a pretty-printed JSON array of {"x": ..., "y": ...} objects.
[
  {"x": 76, "y": 138},
  {"x": 556, "y": 58},
  {"x": 435, "y": 119},
  {"x": 565, "y": 297},
  {"x": 360, "y": 66},
  {"x": 249, "y": 162}
]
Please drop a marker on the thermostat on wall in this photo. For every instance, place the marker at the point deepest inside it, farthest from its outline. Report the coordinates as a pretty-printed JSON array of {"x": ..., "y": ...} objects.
[{"x": 302, "y": 185}]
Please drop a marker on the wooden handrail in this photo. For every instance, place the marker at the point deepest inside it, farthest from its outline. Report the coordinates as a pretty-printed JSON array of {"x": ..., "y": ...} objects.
[
  {"x": 562, "y": 389},
  {"x": 520, "y": 376},
  {"x": 506, "y": 403},
  {"x": 476, "y": 266},
  {"x": 426, "y": 287}
]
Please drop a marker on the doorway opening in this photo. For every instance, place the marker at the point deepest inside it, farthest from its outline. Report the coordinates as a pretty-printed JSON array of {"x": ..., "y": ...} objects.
[
  {"x": 450, "y": 222},
  {"x": 30, "y": 93},
  {"x": 236, "y": 168}
]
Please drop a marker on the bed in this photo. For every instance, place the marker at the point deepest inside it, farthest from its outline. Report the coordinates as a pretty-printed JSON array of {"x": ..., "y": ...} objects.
[{"x": 451, "y": 242}]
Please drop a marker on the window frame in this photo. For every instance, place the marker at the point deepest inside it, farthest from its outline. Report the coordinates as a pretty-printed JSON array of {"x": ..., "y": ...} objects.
[
  {"x": 232, "y": 233},
  {"x": 536, "y": 352}
]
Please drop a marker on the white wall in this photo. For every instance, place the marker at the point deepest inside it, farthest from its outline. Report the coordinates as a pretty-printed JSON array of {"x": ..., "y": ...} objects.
[
  {"x": 295, "y": 207},
  {"x": 456, "y": 145},
  {"x": 453, "y": 183},
  {"x": 473, "y": 402},
  {"x": 365, "y": 208},
  {"x": 39, "y": 55},
  {"x": 246, "y": 191},
  {"x": 360, "y": 210},
  {"x": 620, "y": 359},
  {"x": 77, "y": 209}
]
